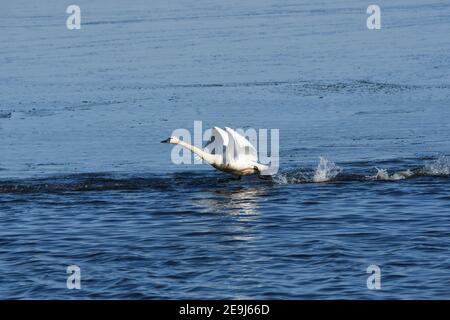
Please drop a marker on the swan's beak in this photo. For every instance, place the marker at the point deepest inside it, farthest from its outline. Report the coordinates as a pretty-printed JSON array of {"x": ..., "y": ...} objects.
[{"x": 166, "y": 141}]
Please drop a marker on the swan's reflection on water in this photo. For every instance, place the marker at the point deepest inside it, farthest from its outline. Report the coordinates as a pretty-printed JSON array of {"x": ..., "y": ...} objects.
[
  {"x": 241, "y": 207},
  {"x": 241, "y": 201}
]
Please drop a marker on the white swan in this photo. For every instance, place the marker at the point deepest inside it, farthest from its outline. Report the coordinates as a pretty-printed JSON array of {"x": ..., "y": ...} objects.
[{"x": 226, "y": 151}]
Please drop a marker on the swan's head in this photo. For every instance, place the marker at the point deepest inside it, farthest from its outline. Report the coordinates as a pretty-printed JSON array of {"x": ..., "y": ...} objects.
[{"x": 172, "y": 140}]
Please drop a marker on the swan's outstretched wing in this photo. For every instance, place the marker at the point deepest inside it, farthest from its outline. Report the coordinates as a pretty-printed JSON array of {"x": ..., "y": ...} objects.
[
  {"x": 239, "y": 148},
  {"x": 219, "y": 140}
]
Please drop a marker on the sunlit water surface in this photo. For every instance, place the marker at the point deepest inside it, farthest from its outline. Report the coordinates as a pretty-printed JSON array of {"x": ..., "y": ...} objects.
[{"x": 84, "y": 180}]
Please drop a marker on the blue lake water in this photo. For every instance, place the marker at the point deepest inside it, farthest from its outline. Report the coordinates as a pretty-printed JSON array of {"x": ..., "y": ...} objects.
[{"x": 85, "y": 181}]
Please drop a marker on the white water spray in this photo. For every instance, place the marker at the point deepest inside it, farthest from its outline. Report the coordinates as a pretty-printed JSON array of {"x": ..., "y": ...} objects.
[
  {"x": 326, "y": 170},
  {"x": 383, "y": 174},
  {"x": 439, "y": 167}
]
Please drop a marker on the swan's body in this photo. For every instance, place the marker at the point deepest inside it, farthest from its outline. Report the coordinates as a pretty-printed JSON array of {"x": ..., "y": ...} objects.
[{"x": 227, "y": 151}]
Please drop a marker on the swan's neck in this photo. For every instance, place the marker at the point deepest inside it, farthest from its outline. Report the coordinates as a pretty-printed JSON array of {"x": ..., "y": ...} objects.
[{"x": 202, "y": 154}]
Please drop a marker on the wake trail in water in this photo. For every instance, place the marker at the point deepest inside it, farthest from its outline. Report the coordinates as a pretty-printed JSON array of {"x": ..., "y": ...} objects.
[{"x": 326, "y": 171}]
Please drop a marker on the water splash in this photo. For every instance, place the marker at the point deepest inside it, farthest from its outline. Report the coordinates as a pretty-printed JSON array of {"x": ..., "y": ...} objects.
[
  {"x": 439, "y": 167},
  {"x": 280, "y": 178},
  {"x": 383, "y": 174},
  {"x": 291, "y": 178},
  {"x": 326, "y": 170}
]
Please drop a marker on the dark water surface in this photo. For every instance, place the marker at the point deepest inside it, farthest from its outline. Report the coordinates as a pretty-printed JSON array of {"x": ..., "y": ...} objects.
[{"x": 84, "y": 180}]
